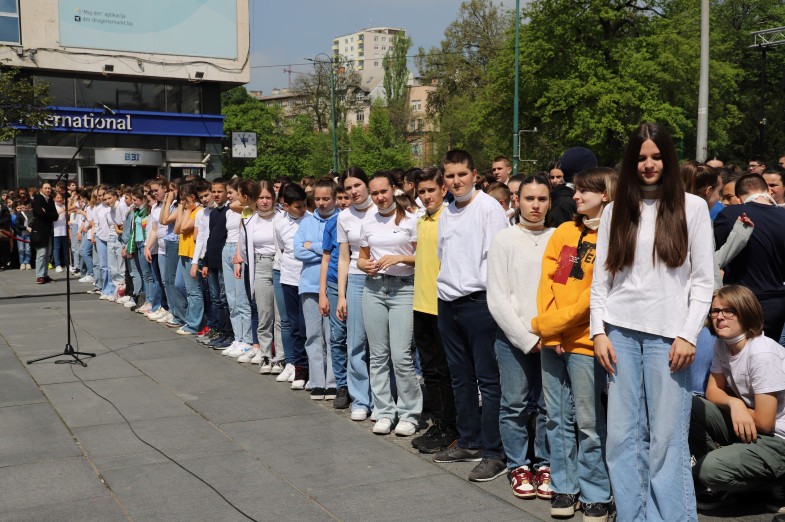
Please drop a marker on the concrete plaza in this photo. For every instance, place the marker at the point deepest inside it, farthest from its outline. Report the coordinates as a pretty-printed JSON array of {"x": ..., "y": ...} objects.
[{"x": 68, "y": 454}]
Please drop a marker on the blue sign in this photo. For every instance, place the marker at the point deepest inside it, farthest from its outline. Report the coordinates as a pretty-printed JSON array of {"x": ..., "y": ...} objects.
[
  {"x": 72, "y": 119},
  {"x": 184, "y": 27}
]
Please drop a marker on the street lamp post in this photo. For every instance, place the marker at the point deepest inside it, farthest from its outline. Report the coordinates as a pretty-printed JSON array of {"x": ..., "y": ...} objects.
[
  {"x": 515, "y": 138},
  {"x": 332, "y": 102}
]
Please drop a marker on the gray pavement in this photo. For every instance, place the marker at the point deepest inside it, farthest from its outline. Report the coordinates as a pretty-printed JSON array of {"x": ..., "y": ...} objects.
[{"x": 67, "y": 454}]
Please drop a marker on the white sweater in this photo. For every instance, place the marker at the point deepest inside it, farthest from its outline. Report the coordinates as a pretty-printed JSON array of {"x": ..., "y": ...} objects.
[
  {"x": 514, "y": 268},
  {"x": 652, "y": 298}
]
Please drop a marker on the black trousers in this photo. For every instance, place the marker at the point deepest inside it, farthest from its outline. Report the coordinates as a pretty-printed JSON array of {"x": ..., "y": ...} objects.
[{"x": 435, "y": 371}]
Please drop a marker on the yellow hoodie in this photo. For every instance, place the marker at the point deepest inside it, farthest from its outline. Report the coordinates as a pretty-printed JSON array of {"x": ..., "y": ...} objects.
[{"x": 565, "y": 288}]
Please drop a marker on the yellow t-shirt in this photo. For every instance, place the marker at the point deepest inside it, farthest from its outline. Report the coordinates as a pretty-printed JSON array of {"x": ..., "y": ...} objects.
[
  {"x": 187, "y": 243},
  {"x": 426, "y": 264}
]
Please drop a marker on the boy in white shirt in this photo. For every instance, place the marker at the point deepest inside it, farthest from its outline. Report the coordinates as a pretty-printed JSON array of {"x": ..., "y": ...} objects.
[
  {"x": 285, "y": 228},
  {"x": 466, "y": 228}
]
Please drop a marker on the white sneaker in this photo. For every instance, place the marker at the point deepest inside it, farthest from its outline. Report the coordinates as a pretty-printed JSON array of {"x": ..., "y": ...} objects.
[
  {"x": 242, "y": 349},
  {"x": 277, "y": 368},
  {"x": 166, "y": 318},
  {"x": 58, "y": 269},
  {"x": 154, "y": 316},
  {"x": 144, "y": 308},
  {"x": 105, "y": 297},
  {"x": 266, "y": 367},
  {"x": 288, "y": 370},
  {"x": 86, "y": 279},
  {"x": 232, "y": 347},
  {"x": 73, "y": 270},
  {"x": 250, "y": 355},
  {"x": 383, "y": 426},
  {"x": 405, "y": 428},
  {"x": 129, "y": 304},
  {"x": 257, "y": 359},
  {"x": 373, "y": 416},
  {"x": 359, "y": 414},
  {"x": 183, "y": 331},
  {"x": 299, "y": 384}
]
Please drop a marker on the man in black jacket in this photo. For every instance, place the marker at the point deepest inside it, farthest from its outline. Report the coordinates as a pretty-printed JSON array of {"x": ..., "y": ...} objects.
[
  {"x": 44, "y": 216},
  {"x": 573, "y": 161}
]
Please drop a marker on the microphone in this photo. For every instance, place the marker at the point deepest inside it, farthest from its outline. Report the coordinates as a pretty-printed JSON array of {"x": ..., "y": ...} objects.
[{"x": 106, "y": 108}]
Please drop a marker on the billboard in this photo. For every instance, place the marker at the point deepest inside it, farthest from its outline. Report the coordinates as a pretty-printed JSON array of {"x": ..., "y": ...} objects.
[{"x": 181, "y": 27}]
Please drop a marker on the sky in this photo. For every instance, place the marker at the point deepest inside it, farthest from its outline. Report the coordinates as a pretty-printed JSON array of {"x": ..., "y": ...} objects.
[{"x": 284, "y": 33}]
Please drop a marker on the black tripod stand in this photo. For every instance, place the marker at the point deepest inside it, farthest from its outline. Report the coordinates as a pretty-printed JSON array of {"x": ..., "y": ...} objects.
[{"x": 69, "y": 349}]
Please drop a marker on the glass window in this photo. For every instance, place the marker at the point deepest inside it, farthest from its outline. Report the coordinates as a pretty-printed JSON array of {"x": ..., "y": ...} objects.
[
  {"x": 184, "y": 99},
  {"x": 118, "y": 95},
  {"x": 9, "y": 22},
  {"x": 61, "y": 89},
  {"x": 59, "y": 139}
]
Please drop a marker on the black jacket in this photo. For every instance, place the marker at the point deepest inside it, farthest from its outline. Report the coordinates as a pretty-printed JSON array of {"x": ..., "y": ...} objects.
[
  {"x": 563, "y": 207},
  {"x": 44, "y": 216}
]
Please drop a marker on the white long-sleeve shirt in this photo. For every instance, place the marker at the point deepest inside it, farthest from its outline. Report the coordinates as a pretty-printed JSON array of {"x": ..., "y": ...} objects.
[
  {"x": 514, "y": 269},
  {"x": 652, "y": 298}
]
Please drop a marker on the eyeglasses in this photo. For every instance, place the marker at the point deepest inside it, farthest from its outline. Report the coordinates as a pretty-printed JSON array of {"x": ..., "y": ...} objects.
[
  {"x": 753, "y": 166},
  {"x": 727, "y": 313}
]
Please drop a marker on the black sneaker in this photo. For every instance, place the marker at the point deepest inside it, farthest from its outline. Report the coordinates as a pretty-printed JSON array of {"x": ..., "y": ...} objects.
[
  {"x": 596, "y": 511},
  {"x": 564, "y": 505},
  {"x": 330, "y": 394},
  {"x": 458, "y": 454},
  {"x": 487, "y": 470},
  {"x": 442, "y": 439},
  {"x": 708, "y": 500},
  {"x": 317, "y": 394},
  {"x": 342, "y": 399},
  {"x": 431, "y": 433},
  {"x": 210, "y": 337}
]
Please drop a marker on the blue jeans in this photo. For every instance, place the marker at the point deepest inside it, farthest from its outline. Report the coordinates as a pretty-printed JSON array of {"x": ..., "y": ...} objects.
[
  {"x": 174, "y": 297},
  {"x": 220, "y": 310},
  {"x": 337, "y": 337},
  {"x": 135, "y": 270},
  {"x": 389, "y": 324},
  {"x": 152, "y": 292},
  {"x": 160, "y": 299},
  {"x": 195, "y": 309},
  {"x": 317, "y": 343},
  {"x": 574, "y": 383},
  {"x": 357, "y": 374},
  {"x": 98, "y": 274},
  {"x": 86, "y": 254},
  {"x": 283, "y": 339},
  {"x": 469, "y": 334},
  {"x": 294, "y": 312},
  {"x": 42, "y": 255},
  {"x": 24, "y": 249},
  {"x": 159, "y": 269},
  {"x": 648, "y": 455},
  {"x": 521, "y": 382},
  {"x": 107, "y": 285},
  {"x": 236, "y": 297},
  {"x": 704, "y": 353},
  {"x": 60, "y": 250}
]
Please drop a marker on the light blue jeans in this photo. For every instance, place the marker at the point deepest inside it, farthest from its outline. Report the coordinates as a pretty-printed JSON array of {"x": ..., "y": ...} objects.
[
  {"x": 648, "y": 455},
  {"x": 42, "y": 255},
  {"x": 574, "y": 383},
  {"x": 86, "y": 254},
  {"x": 337, "y": 336},
  {"x": 116, "y": 264},
  {"x": 98, "y": 271},
  {"x": 283, "y": 337},
  {"x": 521, "y": 382},
  {"x": 75, "y": 246},
  {"x": 389, "y": 323},
  {"x": 357, "y": 376},
  {"x": 106, "y": 286},
  {"x": 317, "y": 343},
  {"x": 195, "y": 310},
  {"x": 236, "y": 297},
  {"x": 264, "y": 294}
]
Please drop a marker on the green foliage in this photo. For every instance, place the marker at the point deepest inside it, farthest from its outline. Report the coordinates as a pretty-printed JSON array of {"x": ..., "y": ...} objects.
[
  {"x": 22, "y": 102},
  {"x": 380, "y": 147},
  {"x": 395, "y": 71},
  {"x": 591, "y": 71}
]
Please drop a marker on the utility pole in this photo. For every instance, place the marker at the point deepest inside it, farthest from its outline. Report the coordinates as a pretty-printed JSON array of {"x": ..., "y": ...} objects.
[
  {"x": 515, "y": 146},
  {"x": 763, "y": 41},
  {"x": 703, "y": 91}
]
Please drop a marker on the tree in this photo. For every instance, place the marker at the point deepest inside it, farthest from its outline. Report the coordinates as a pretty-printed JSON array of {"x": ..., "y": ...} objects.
[
  {"x": 316, "y": 95},
  {"x": 396, "y": 76},
  {"x": 22, "y": 102},
  {"x": 460, "y": 66},
  {"x": 380, "y": 147}
]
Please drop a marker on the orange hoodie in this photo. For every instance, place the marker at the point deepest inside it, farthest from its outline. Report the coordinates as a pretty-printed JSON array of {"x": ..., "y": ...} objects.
[{"x": 565, "y": 288}]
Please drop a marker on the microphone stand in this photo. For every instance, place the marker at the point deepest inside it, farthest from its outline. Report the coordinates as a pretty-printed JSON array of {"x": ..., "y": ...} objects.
[{"x": 69, "y": 349}]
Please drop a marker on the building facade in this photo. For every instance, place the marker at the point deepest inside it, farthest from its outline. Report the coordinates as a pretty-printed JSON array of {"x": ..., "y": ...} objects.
[
  {"x": 139, "y": 94},
  {"x": 366, "y": 48}
]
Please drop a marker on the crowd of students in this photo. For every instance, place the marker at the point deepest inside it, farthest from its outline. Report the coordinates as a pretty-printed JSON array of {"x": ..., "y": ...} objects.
[{"x": 536, "y": 311}]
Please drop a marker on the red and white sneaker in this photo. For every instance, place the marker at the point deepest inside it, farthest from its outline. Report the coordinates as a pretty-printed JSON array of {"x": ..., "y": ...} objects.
[
  {"x": 543, "y": 482},
  {"x": 522, "y": 482},
  {"x": 204, "y": 331}
]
